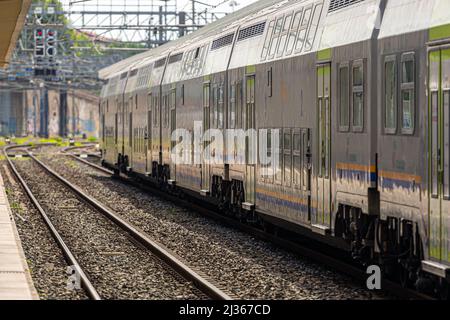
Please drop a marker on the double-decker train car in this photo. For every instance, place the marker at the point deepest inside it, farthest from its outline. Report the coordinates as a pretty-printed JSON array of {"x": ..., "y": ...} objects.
[{"x": 354, "y": 100}]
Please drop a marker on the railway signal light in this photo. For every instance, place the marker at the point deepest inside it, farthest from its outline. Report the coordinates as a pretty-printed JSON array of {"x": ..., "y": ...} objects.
[
  {"x": 39, "y": 43},
  {"x": 50, "y": 39}
]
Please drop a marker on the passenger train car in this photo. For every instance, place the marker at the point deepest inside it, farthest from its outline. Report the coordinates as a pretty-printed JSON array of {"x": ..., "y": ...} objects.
[{"x": 359, "y": 91}]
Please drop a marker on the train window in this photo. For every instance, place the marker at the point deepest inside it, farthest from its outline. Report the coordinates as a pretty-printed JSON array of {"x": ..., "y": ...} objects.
[
  {"x": 149, "y": 102},
  {"x": 269, "y": 171},
  {"x": 264, "y": 157},
  {"x": 155, "y": 117},
  {"x": 287, "y": 140},
  {"x": 197, "y": 53},
  {"x": 408, "y": 93},
  {"x": 344, "y": 103},
  {"x": 116, "y": 131},
  {"x": 303, "y": 29},
  {"x": 239, "y": 114},
  {"x": 275, "y": 38},
  {"x": 313, "y": 29},
  {"x": 206, "y": 113},
  {"x": 130, "y": 130},
  {"x": 163, "y": 111},
  {"x": 267, "y": 41},
  {"x": 358, "y": 97},
  {"x": 287, "y": 169},
  {"x": 173, "y": 123},
  {"x": 233, "y": 107},
  {"x": 165, "y": 108},
  {"x": 215, "y": 106},
  {"x": 168, "y": 105},
  {"x": 306, "y": 157},
  {"x": 119, "y": 111},
  {"x": 270, "y": 82},
  {"x": 279, "y": 164},
  {"x": 287, "y": 145},
  {"x": 284, "y": 35},
  {"x": 182, "y": 95},
  {"x": 297, "y": 159},
  {"x": 220, "y": 120},
  {"x": 136, "y": 145},
  {"x": 125, "y": 111},
  {"x": 173, "y": 99},
  {"x": 390, "y": 93},
  {"x": 293, "y": 32},
  {"x": 206, "y": 96}
]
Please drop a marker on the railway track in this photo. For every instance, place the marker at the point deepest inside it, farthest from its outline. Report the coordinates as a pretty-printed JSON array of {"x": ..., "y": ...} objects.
[
  {"x": 322, "y": 257},
  {"x": 168, "y": 262},
  {"x": 69, "y": 256}
]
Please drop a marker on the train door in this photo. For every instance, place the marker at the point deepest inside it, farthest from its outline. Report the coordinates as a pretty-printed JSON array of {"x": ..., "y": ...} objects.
[
  {"x": 123, "y": 114},
  {"x": 130, "y": 133},
  {"x": 323, "y": 215},
  {"x": 206, "y": 126},
  {"x": 116, "y": 131},
  {"x": 173, "y": 127},
  {"x": 104, "y": 134},
  {"x": 131, "y": 136},
  {"x": 250, "y": 171},
  {"x": 306, "y": 167},
  {"x": 148, "y": 134},
  {"x": 439, "y": 153}
]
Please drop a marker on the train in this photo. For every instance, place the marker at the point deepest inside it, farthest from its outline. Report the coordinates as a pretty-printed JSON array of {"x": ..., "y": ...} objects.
[{"x": 354, "y": 97}]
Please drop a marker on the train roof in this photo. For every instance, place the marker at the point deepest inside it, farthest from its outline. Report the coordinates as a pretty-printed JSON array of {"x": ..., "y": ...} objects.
[
  {"x": 211, "y": 29},
  {"x": 331, "y": 23}
]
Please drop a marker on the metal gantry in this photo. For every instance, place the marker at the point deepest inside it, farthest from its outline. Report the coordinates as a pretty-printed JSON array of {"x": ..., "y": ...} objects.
[
  {"x": 148, "y": 22},
  {"x": 92, "y": 34}
]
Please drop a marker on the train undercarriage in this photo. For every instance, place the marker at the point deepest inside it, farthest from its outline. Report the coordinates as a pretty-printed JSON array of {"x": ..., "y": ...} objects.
[{"x": 393, "y": 244}]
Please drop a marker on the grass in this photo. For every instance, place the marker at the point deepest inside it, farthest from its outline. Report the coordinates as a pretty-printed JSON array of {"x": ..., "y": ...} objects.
[
  {"x": 22, "y": 140},
  {"x": 17, "y": 207},
  {"x": 53, "y": 140},
  {"x": 57, "y": 141}
]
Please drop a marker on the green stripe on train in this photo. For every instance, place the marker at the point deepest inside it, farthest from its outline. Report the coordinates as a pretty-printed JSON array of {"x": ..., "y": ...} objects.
[{"x": 440, "y": 32}]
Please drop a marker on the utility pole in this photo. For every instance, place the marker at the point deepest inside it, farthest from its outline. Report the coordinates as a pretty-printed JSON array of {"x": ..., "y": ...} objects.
[{"x": 193, "y": 12}]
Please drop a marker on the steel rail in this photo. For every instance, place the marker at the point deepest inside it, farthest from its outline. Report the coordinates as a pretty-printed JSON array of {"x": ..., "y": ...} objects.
[
  {"x": 69, "y": 256},
  {"x": 175, "y": 263}
]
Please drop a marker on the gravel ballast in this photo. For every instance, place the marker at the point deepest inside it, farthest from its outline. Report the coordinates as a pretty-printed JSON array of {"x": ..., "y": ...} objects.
[
  {"x": 245, "y": 266},
  {"x": 117, "y": 266},
  {"x": 45, "y": 259}
]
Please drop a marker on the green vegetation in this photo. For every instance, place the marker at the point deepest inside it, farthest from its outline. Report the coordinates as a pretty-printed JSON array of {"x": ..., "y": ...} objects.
[
  {"x": 22, "y": 140},
  {"x": 16, "y": 206}
]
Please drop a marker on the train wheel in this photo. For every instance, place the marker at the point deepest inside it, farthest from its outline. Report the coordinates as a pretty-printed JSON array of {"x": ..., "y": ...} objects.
[
  {"x": 444, "y": 290},
  {"x": 404, "y": 277}
]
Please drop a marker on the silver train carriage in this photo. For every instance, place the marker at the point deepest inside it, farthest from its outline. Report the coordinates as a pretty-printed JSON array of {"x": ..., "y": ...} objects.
[{"x": 360, "y": 93}]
